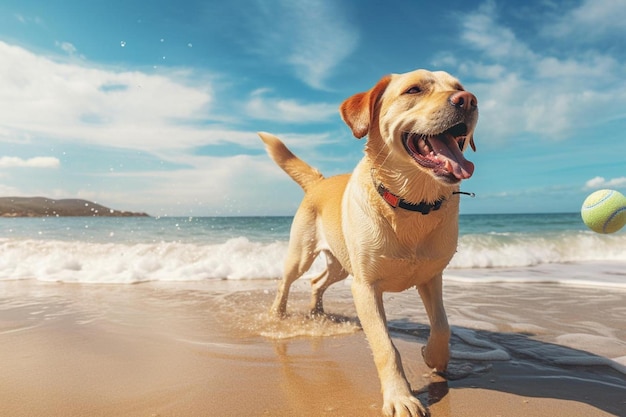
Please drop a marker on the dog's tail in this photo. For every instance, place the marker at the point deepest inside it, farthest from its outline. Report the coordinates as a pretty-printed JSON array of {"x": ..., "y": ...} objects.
[{"x": 301, "y": 172}]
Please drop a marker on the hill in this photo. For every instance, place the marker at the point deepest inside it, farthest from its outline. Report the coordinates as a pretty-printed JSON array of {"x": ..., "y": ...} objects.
[{"x": 47, "y": 207}]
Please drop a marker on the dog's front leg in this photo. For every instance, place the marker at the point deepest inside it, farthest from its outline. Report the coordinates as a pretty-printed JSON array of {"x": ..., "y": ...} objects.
[
  {"x": 397, "y": 396},
  {"x": 437, "y": 350}
]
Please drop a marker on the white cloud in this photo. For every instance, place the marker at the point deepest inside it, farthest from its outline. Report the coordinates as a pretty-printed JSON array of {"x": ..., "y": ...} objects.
[
  {"x": 524, "y": 91},
  {"x": 236, "y": 185},
  {"x": 592, "y": 18},
  {"x": 9, "y": 190},
  {"x": 482, "y": 31},
  {"x": 40, "y": 97},
  {"x": 36, "y": 162},
  {"x": 310, "y": 36},
  {"x": 600, "y": 182},
  {"x": 324, "y": 38},
  {"x": 26, "y": 20},
  {"x": 288, "y": 111},
  {"x": 67, "y": 47},
  {"x": 44, "y": 100}
]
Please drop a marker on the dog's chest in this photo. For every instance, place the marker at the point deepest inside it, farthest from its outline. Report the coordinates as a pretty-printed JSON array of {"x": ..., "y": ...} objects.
[
  {"x": 399, "y": 274},
  {"x": 405, "y": 257},
  {"x": 401, "y": 267}
]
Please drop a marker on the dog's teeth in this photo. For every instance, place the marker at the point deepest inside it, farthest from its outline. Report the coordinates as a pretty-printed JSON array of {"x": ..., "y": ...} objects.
[{"x": 422, "y": 146}]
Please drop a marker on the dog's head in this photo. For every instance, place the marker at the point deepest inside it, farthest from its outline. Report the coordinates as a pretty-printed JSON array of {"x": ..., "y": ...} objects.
[{"x": 420, "y": 119}]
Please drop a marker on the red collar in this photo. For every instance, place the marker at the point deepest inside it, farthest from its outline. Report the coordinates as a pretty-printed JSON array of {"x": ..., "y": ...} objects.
[{"x": 395, "y": 201}]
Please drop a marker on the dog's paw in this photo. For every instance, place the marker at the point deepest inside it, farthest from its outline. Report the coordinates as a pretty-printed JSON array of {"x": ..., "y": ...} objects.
[
  {"x": 404, "y": 406},
  {"x": 438, "y": 360},
  {"x": 277, "y": 313}
]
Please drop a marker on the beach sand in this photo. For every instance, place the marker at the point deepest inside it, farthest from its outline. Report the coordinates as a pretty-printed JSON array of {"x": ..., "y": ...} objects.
[{"x": 208, "y": 349}]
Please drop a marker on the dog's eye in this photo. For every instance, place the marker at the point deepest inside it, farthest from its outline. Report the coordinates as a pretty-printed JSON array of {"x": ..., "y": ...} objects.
[{"x": 413, "y": 90}]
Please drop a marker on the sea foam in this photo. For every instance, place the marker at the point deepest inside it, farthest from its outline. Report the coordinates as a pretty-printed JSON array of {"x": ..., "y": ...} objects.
[
  {"x": 479, "y": 258},
  {"x": 503, "y": 250},
  {"x": 50, "y": 260}
]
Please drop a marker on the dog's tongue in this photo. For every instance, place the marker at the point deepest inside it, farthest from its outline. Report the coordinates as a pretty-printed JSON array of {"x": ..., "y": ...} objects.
[{"x": 447, "y": 150}]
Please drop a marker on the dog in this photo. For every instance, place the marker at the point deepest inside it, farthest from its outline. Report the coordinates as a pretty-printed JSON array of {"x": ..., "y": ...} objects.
[{"x": 393, "y": 222}]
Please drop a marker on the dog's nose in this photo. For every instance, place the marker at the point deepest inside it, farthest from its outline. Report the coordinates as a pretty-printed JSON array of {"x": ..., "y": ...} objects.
[{"x": 464, "y": 100}]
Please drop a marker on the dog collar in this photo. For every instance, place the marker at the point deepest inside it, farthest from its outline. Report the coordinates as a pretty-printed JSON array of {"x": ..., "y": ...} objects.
[{"x": 395, "y": 201}]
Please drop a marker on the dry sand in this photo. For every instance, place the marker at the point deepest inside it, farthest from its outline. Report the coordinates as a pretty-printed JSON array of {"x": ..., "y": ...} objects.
[{"x": 202, "y": 349}]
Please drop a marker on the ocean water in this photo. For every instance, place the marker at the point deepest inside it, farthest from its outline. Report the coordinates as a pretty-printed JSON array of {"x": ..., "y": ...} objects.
[
  {"x": 576, "y": 320},
  {"x": 501, "y": 247}
]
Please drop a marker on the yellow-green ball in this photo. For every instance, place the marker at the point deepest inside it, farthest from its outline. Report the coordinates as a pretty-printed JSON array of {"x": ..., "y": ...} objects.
[{"x": 604, "y": 211}]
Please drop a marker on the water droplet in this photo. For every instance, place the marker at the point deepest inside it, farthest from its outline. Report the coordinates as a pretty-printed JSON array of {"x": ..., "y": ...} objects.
[
  {"x": 123, "y": 44},
  {"x": 190, "y": 45}
]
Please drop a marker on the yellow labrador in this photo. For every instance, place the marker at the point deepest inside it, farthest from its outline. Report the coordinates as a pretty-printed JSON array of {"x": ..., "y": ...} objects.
[{"x": 393, "y": 223}]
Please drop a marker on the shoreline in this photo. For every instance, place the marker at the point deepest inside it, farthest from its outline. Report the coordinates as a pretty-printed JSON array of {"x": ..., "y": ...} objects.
[{"x": 207, "y": 348}]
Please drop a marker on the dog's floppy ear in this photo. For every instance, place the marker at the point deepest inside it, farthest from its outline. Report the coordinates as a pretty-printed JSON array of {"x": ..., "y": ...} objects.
[{"x": 358, "y": 110}]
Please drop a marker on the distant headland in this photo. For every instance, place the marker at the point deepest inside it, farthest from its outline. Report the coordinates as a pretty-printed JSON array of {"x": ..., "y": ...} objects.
[{"x": 47, "y": 207}]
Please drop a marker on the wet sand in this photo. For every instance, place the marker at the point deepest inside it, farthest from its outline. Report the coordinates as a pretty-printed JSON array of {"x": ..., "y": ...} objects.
[{"x": 208, "y": 349}]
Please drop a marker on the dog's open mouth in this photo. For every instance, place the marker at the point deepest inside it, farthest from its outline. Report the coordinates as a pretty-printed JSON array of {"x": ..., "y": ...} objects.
[{"x": 442, "y": 153}]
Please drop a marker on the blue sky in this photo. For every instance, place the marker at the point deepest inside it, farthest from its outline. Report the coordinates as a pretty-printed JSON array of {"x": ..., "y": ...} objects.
[{"x": 153, "y": 105}]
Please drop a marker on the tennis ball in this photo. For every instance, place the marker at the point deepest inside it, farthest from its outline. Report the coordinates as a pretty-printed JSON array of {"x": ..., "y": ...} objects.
[{"x": 604, "y": 211}]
